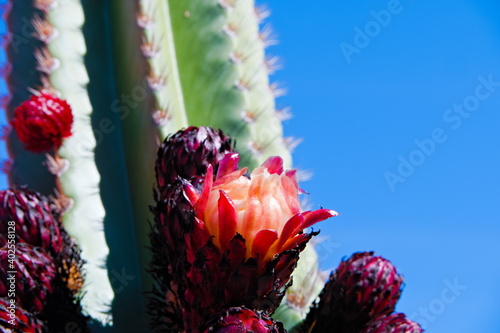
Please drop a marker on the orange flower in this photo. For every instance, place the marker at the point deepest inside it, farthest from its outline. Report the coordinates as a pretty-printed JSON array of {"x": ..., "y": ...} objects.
[{"x": 264, "y": 209}]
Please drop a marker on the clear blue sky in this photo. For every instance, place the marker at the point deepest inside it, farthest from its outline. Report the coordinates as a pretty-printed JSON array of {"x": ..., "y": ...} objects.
[
  {"x": 361, "y": 103},
  {"x": 401, "y": 124}
]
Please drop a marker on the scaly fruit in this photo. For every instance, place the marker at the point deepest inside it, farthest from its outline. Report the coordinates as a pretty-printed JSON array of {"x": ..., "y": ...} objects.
[
  {"x": 33, "y": 218},
  {"x": 187, "y": 154},
  {"x": 14, "y": 319},
  {"x": 33, "y": 280},
  {"x": 242, "y": 320},
  {"x": 363, "y": 287},
  {"x": 394, "y": 323}
]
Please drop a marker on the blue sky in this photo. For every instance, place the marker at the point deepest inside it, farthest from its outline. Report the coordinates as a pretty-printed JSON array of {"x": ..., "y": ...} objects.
[{"x": 363, "y": 112}]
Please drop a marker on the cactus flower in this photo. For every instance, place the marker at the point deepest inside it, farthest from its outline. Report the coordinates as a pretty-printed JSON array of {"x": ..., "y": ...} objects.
[
  {"x": 222, "y": 239},
  {"x": 240, "y": 320},
  {"x": 394, "y": 323},
  {"x": 263, "y": 208},
  {"x": 363, "y": 287},
  {"x": 42, "y": 122}
]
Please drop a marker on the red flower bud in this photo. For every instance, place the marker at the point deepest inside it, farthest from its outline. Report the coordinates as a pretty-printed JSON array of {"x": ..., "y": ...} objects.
[{"x": 42, "y": 122}]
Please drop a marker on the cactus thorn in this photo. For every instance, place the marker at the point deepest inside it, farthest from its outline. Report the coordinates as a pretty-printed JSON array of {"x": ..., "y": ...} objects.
[
  {"x": 236, "y": 58},
  {"x": 262, "y": 13},
  {"x": 255, "y": 148},
  {"x": 144, "y": 21},
  {"x": 156, "y": 82},
  {"x": 277, "y": 90},
  {"x": 161, "y": 117},
  {"x": 272, "y": 64},
  {"x": 44, "y": 31},
  {"x": 267, "y": 36},
  {"x": 230, "y": 30},
  {"x": 46, "y": 62},
  {"x": 292, "y": 142},
  {"x": 149, "y": 49},
  {"x": 56, "y": 166},
  {"x": 45, "y": 5}
]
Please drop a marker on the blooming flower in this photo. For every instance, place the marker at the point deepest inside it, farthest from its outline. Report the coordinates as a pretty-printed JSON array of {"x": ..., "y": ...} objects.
[
  {"x": 42, "y": 122},
  {"x": 263, "y": 208}
]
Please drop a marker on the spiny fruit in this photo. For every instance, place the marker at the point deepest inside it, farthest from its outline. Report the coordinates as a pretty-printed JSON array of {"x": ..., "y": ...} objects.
[
  {"x": 187, "y": 154},
  {"x": 15, "y": 319},
  {"x": 243, "y": 320},
  {"x": 34, "y": 278},
  {"x": 42, "y": 122},
  {"x": 394, "y": 323},
  {"x": 363, "y": 287},
  {"x": 33, "y": 219}
]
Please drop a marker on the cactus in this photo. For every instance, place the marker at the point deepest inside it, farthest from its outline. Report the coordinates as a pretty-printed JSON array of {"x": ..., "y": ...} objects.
[{"x": 126, "y": 76}]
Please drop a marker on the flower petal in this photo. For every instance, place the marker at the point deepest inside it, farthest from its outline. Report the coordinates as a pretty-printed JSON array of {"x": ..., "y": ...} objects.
[
  {"x": 228, "y": 220},
  {"x": 228, "y": 164},
  {"x": 201, "y": 204},
  {"x": 315, "y": 216},
  {"x": 291, "y": 228},
  {"x": 274, "y": 164},
  {"x": 263, "y": 241}
]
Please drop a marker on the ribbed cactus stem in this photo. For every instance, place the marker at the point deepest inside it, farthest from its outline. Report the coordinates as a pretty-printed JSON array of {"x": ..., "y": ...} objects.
[
  {"x": 159, "y": 49},
  {"x": 223, "y": 71},
  {"x": 249, "y": 46},
  {"x": 84, "y": 220}
]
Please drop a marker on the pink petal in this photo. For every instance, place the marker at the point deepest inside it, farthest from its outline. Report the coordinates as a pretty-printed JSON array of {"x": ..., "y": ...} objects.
[
  {"x": 292, "y": 226},
  {"x": 263, "y": 241},
  {"x": 190, "y": 192},
  {"x": 315, "y": 216},
  {"x": 230, "y": 177},
  {"x": 274, "y": 164},
  {"x": 228, "y": 220},
  {"x": 200, "y": 206},
  {"x": 228, "y": 164}
]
